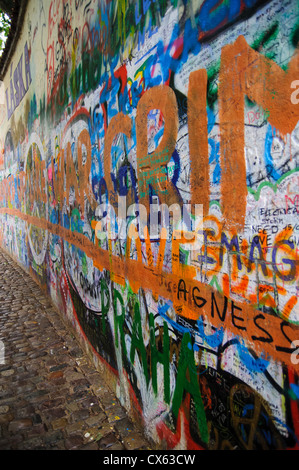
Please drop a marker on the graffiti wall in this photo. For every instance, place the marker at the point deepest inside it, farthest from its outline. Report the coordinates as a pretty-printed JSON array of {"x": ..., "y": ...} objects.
[{"x": 149, "y": 183}]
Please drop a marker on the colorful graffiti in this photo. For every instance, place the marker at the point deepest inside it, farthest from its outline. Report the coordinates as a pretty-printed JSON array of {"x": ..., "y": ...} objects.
[{"x": 172, "y": 105}]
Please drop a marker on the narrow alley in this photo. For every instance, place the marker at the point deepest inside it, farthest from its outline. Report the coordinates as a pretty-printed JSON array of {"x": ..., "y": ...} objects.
[{"x": 51, "y": 396}]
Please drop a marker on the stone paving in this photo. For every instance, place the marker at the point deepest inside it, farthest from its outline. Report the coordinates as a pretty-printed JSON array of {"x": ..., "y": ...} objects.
[{"x": 51, "y": 396}]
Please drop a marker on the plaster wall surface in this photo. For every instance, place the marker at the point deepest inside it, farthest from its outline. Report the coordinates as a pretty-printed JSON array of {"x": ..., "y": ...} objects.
[{"x": 116, "y": 112}]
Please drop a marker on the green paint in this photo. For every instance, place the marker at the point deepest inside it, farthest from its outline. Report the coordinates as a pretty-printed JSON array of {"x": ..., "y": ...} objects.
[
  {"x": 273, "y": 186},
  {"x": 87, "y": 75},
  {"x": 58, "y": 100},
  {"x": 119, "y": 320},
  {"x": 42, "y": 109},
  {"x": 292, "y": 395},
  {"x": 75, "y": 82},
  {"x": 84, "y": 263},
  {"x": 162, "y": 357},
  {"x": 214, "y": 283},
  {"x": 212, "y": 88},
  {"x": 137, "y": 341},
  {"x": 266, "y": 37},
  {"x": 75, "y": 219},
  {"x": 295, "y": 36},
  {"x": 91, "y": 70},
  {"x": 104, "y": 306},
  {"x": 186, "y": 367}
]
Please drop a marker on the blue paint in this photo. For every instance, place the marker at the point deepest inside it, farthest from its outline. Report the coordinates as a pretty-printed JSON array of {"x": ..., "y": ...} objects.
[
  {"x": 272, "y": 172},
  {"x": 102, "y": 183},
  {"x": 292, "y": 263},
  {"x": 257, "y": 365},
  {"x": 98, "y": 122},
  {"x": 149, "y": 80},
  {"x": 150, "y": 32},
  {"x": 147, "y": 53},
  {"x": 289, "y": 430},
  {"x": 122, "y": 179},
  {"x": 109, "y": 93},
  {"x": 54, "y": 216},
  {"x": 212, "y": 15},
  {"x": 177, "y": 167},
  {"x": 137, "y": 16},
  {"x": 205, "y": 259},
  {"x": 250, "y": 3},
  {"x": 295, "y": 389},
  {"x": 211, "y": 119},
  {"x": 158, "y": 136},
  {"x": 215, "y": 157},
  {"x": 256, "y": 244},
  {"x": 162, "y": 309},
  {"x": 191, "y": 45},
  {"x": 233, "y": 246},
  {"x": 17, "y": 89},
  {"x": 214, "y": 340},
  {"x": 66, "y": 221}
]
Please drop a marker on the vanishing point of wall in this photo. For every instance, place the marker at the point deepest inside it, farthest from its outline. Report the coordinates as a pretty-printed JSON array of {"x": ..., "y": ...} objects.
[{"x": 149, "y": 184}]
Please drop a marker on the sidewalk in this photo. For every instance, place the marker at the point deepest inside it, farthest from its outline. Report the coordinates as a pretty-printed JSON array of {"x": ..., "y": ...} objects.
[{"x": 51, "y": 397}]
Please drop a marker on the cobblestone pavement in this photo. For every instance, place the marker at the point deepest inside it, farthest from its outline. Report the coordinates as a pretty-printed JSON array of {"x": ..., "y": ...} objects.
[{"x": 51, "y": 397}]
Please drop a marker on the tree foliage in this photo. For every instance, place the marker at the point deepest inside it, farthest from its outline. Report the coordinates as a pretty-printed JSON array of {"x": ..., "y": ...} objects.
[{"x": 4, "y": 28}]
